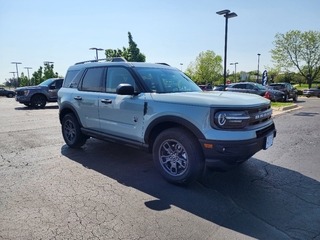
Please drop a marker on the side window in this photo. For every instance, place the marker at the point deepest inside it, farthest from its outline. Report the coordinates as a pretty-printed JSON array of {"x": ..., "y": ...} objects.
[
  {"x": 249, "y": 86},
  {"x": 58, "y": 84},
  {"x": 117, "y": 75},
  {"x": 92, "y": 80},
  {"x": 243, "y": 86},
  {"x": 70, "y": 76}
]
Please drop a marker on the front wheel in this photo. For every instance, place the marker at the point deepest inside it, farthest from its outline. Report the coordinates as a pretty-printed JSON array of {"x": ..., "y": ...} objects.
[
  {"x": 178, "y": 156},
  {"x": 71, "y": 131},
  {"x": 295, "y": 98},
  {"x": 38, "y": 101}
]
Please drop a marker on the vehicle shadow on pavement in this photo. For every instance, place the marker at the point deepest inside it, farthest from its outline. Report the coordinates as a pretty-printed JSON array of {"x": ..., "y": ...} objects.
[
  {"x": 30, "y": 108},
  {"x": 258, "y": 199}
]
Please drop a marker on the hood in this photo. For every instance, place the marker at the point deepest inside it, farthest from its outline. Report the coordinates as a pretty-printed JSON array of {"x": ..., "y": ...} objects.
[
  {"x": 214, "y": 99},
  {"x": 29, "y": 88}
]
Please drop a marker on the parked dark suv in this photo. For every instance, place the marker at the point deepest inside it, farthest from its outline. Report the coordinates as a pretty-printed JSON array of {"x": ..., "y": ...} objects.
[
  {"x": 157, "y": 108},
  {"x": 38, "y": 96},
  {"x": 289, "y": 91}
]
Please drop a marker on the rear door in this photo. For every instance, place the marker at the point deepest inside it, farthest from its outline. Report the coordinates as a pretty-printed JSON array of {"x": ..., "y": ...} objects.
[{"x": 87, "y": 98}]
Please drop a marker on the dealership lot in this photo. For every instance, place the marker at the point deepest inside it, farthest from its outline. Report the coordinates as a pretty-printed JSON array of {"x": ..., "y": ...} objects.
[{"x": 107, "y": 191}]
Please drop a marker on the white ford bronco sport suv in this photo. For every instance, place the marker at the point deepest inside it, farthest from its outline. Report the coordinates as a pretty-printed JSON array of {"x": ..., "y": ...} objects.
[{"x": 157, "y": 108}]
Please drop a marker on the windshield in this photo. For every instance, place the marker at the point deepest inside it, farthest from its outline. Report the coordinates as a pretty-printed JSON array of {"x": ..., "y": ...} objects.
[
  {"x": 46, "y": 82},
  {"x": 162, "y": 80},
  {"x": 260, "y": 87}
]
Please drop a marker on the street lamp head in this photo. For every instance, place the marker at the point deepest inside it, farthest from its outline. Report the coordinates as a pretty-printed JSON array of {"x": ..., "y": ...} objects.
[
  {"x": 227, "y": 13},
  {"x": 259, "y": 54},
  {"x": 16, "y": 62},
  {"x": 98, "y": 49},
  {"x": 222, "y": 12},
  {"x": 231, "y": 15}
]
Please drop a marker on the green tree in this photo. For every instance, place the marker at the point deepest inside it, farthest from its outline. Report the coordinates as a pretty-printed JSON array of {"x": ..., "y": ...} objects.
[
  {"x": 298, "y": 50},
  {"x": 48, "y": 71},
  {"x": 24, "y": 81},
  {"x": 206, "y": 69},
  {"x": 43, "y": 73},
  {"x": 131, "y": 54},
  {"x": 37, "y": 77}
]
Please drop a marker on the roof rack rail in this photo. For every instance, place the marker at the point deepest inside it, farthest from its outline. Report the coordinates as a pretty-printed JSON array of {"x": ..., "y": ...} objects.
[
  {"x": 113, "y": 59},
  {"x": 163, "y": 64}
]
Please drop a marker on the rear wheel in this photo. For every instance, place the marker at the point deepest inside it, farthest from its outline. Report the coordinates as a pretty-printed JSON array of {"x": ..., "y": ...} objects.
[
  {"x": 71, "y": 131},
  {"x": 178, "y": 156},
  {"x": 10, "y": 95},
  {"x": 38, "y": 101}
]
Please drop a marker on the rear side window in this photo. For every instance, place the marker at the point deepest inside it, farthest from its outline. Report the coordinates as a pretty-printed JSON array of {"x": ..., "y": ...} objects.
[
  {"x": 92, "y": 80},
  {"x": 70, "y": 76}
]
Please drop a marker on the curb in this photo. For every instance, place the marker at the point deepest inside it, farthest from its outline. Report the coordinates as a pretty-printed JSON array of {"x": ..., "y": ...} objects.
[{"x": 281, "y": 110}]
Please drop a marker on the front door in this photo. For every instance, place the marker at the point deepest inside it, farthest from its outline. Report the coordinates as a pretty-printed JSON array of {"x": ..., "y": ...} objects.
[{"x": 121, "y": 115}]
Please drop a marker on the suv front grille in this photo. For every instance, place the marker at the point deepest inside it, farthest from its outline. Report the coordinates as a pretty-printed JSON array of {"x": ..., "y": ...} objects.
[
  {"x": 20, "y": 93},
  {"x": 259, "y": 115}
]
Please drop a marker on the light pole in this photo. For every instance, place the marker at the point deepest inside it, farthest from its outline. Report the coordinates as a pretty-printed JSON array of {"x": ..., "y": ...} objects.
[
  {"x": 235, "y": 69},
  {"x": 13, "y": 73},
  {"x": 258, "y": 67},
  {"x": 181, "y": 66},
  {"x": 28, "y": 73},
  {"x": 16, "y": 63},
  {"x": 97, "y": 49},
  {"x": 227, "y": 15}
]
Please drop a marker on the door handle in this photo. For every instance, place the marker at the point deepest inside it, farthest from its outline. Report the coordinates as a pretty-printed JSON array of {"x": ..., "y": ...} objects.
[
  {"x": 77, "y": 98},
  {"x": 108, "y": 101}
]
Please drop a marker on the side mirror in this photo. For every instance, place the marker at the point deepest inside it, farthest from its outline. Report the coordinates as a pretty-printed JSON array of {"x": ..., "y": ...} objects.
[{"x": 125, "y": 89}]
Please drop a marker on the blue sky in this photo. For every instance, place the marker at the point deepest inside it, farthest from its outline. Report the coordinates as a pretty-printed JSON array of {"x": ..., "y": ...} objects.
[{"x": 171, "y": 31}]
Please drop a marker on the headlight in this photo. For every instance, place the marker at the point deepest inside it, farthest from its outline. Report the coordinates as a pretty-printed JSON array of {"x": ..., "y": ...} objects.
[
  {"x": 231, "y": 119},
  {"x": 26, "y": 92}
]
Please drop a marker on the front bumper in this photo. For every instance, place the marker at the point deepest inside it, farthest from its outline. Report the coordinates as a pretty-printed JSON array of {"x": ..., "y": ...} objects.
[
  {"x": 225, "y": 155},
  {"x": 22, "y": 99}
]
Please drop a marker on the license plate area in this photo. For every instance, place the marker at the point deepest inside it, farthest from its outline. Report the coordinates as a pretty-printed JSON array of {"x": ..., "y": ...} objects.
[{"x": 269, "y": 141}]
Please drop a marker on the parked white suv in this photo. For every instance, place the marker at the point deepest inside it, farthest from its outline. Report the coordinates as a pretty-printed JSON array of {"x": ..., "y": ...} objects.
[{"x": 159, "y": 109}]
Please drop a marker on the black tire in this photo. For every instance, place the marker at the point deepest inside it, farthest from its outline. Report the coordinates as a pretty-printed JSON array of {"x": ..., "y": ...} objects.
[
  {"x": 319, "y": 95},
  {"x": 10, "y": 95},
  {"x": 38, "y": 101},
  {"x": 178, "y": 156},
  {"x": 286, "y": 98},
  {"x": 71, "y": 131},
  {"x": 295, "y": 98}
]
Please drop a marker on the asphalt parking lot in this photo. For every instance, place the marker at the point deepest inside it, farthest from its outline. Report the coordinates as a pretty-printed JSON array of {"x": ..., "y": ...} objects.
[{"x": 107, "y": 191}]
